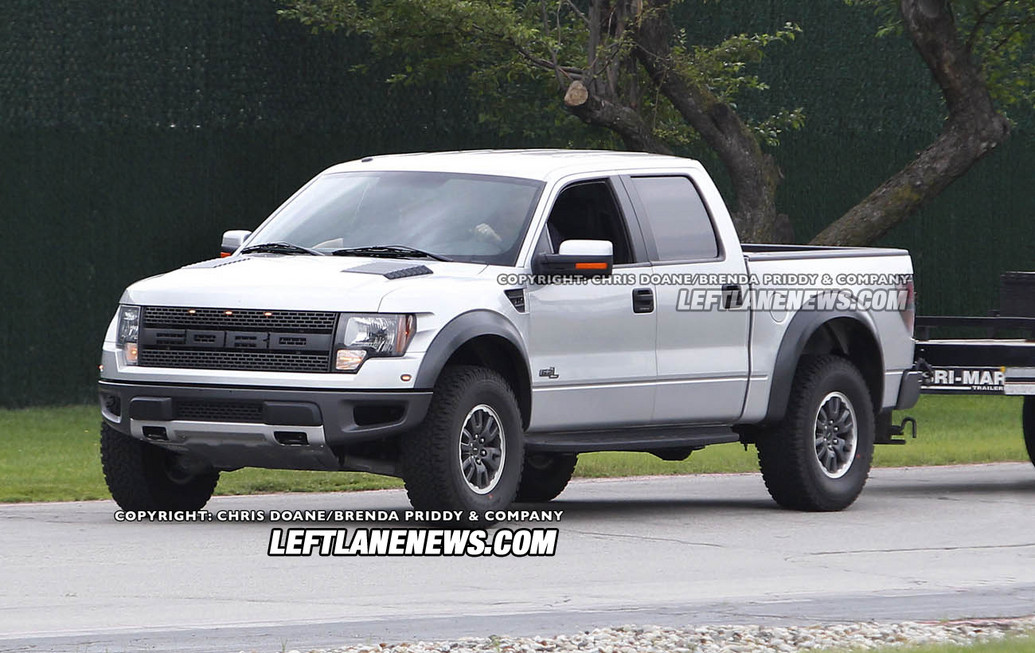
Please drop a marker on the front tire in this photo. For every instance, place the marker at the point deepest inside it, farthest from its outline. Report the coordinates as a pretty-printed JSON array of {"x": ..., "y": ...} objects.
[
  {"x": 819, "y": 457},
  {"x": 1028, "y": 424},
  {"x": 466, "y": 455},
  {"x": 143, "y": 476},
  {"x": 545, "y": 476}
]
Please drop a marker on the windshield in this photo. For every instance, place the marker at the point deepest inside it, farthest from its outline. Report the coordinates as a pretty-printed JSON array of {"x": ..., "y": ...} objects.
[{"x": 473, "y": 218}]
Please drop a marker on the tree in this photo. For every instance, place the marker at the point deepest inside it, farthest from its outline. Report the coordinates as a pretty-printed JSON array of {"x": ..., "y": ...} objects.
[
  {"x": 625, "y": 67},
  {"x": 976, "y": 50}
]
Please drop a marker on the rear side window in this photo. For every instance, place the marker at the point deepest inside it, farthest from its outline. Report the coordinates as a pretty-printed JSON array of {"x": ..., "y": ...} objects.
[{"x": 677, "y": 217}]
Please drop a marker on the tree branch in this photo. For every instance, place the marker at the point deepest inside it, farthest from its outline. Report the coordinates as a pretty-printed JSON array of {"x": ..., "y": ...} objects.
[
  {"x": 624, "y": 121},
  {"x": 754, "y": 174},
  {"x": 973, "y": 129},
  {"x": 981, "y": 20}
]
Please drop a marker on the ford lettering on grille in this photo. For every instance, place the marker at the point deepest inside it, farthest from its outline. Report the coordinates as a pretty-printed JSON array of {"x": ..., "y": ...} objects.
[{"x": 210, "y": 338}]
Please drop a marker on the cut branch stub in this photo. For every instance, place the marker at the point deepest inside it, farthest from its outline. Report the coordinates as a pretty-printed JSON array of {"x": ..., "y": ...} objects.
[{"x": 577, "y": 94}]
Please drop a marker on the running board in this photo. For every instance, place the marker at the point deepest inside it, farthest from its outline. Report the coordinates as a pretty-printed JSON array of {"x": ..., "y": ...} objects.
[{"x": 631, "y": 439}]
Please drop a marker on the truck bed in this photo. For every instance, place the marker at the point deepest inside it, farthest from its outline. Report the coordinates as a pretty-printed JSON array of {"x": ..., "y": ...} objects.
[{"x": 758, "y": 252}]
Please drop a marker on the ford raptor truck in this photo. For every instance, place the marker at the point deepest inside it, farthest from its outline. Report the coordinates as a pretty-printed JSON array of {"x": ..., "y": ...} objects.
[{"x": 472, "y": 321}]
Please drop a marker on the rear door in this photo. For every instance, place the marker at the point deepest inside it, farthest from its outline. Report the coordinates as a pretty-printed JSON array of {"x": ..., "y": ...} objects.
[{"x": 702, "y": 349}]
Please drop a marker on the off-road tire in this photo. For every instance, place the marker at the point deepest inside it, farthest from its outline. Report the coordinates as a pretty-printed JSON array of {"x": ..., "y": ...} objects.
[
  {"x": 545, "y": 475},
  {"x": 788, "y": 456},
  {"x": 1028, "y": 424},
  {"x": 139, "y": 477},
  {"x": 430, "y": 454}
]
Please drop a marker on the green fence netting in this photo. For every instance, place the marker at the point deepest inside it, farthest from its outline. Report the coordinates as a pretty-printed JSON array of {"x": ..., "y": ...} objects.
[{"x": 133, "y": 133}]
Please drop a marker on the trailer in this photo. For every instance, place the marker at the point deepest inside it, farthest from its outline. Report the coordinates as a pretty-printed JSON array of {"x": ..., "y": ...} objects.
[{"x": 998, "y": 361}]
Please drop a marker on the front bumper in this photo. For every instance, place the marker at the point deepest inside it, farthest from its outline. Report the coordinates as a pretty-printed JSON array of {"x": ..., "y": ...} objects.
[{"x": 277, "y": 428}]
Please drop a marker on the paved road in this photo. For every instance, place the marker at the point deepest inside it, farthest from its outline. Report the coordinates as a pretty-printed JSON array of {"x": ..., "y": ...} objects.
[{"x": 936, "y": 543}]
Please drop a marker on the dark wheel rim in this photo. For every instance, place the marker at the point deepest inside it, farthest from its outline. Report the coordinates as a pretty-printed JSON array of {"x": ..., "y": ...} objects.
[
  {"x": 836, "y": 435},
  {"x": 483, "y": 449}
]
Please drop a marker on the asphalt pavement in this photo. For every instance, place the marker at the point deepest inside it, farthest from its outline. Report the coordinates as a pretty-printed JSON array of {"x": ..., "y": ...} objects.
[{"x": 921, "y": 543}]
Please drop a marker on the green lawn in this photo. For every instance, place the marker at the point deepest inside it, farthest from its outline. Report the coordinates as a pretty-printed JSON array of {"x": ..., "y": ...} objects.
[
  {"x": 952, "y": 430},
  {"x": 52, "y": 454},
  {"x": 1011, "y": 645}
]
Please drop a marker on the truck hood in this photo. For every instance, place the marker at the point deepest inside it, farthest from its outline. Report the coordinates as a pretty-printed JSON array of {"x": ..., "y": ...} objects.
[{"x": 292, "y": 282}]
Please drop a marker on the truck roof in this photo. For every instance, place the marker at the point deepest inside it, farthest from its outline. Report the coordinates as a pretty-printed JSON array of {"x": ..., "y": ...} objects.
[{"x": 543, "y": 165}]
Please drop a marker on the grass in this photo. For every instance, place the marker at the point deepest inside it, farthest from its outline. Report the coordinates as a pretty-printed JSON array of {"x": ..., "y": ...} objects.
[
  {"x": 953, "y": 430},
  {"x": 52, "y": 454},
  {"x": 1010, "y": 645}
]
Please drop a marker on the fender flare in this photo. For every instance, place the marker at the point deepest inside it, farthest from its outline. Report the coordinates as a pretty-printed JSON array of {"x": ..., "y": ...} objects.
[
  {"x": 800, "y": 329},
  {"x": 460, "y": 330}
]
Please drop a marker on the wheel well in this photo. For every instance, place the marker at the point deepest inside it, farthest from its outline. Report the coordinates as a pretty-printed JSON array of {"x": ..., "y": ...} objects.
[
  {"x": 500, "y": 355},
  {"x": 851, "y": 339}
]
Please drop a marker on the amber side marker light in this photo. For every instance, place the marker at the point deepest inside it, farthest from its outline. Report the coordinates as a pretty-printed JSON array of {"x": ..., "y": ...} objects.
[
  {"x": 224, "y": 254},
  {"x": 591, "y": 266}
]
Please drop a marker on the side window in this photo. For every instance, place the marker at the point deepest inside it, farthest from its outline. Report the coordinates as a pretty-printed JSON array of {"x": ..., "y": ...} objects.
[
  {"x": 678, "y": 218},
  {"x": 588, "y": 211}
]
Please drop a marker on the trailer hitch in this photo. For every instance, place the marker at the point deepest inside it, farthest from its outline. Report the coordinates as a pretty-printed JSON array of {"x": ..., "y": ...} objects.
[{"x": 886, "y": 434}]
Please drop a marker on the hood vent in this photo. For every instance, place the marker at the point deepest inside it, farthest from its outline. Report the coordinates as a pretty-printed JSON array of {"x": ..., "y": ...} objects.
[
  {"x": 216, "y": 263},
  {"x": 391, "y": 269}
]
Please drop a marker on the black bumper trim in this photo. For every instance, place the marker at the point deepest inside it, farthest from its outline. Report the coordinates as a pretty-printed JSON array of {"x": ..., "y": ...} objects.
[{"x": 333, "y": 409}]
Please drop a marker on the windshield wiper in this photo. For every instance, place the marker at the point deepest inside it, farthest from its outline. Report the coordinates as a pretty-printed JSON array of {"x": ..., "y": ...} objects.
[
  {"x": 281, "y": 248},
  {"x": 388, "y": 251}
]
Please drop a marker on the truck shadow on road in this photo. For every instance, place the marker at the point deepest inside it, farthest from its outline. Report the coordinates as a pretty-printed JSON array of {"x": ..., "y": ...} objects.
[
  {"x": 985, "y": 487},
  {"x": 593, "y": 508}
]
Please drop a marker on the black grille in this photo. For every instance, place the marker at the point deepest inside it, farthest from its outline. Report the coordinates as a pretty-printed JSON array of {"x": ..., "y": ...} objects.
[
  {"x": 219, "y": 411},
  {"x": 236, "y": 339},
  {"x": 239, "y": 319},
  {"x": 259, "y": 361}
]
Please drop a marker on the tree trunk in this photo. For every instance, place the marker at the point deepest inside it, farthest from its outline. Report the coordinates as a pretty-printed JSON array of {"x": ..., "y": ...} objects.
[
  {"x": 754, "y": 174},
  {"x": 973, "y": 129}
]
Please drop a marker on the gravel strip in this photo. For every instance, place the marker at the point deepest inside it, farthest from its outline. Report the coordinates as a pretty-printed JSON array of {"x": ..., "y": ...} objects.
[{"x": 721, "y": 639}]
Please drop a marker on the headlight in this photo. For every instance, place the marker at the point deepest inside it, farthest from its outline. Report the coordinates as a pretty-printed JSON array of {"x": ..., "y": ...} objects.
[
  {"x": 371, "y": 336},
  {"x": 129, "y": 332}
]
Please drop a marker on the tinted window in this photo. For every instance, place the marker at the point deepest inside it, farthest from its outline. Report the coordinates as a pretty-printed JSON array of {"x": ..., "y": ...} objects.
[
  {"x": 587, "y": 211},
  {"x": 678, "y": 218}
]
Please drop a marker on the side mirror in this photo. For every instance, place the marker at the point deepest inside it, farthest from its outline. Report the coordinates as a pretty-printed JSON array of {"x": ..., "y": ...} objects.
[
  {"x": 232, "y": 240},
  {"x": 577, "y": 258}
]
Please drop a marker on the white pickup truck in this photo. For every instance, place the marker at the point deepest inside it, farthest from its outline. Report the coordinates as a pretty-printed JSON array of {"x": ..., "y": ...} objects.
[{"x": 472, "y": 321}]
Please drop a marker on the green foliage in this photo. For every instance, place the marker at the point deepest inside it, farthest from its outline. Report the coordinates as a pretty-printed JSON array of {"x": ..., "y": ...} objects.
[
  {"x": 999, "y": 34},
  {"x": 520, "y": 56},
  {"x": 726, "y": 69}
]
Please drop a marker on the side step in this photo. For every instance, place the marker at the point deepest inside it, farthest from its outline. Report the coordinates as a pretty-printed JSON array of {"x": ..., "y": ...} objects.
[{"x": 630, "y": 439}]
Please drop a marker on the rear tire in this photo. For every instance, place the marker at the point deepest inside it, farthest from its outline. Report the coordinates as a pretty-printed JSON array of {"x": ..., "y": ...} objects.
[
  {"x": 545, "y": 476},
  {"x": 466, "y": 455},
  {"x": 1028, "y": 424},
  {"x": 819, "y": 457},
  {"x": 143, "y": 476}
]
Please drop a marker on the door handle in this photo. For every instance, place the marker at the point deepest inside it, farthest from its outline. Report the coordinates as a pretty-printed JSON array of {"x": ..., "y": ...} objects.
[
  {"x": 732, "y": 296},
  {"x": 643, "y": 300}
]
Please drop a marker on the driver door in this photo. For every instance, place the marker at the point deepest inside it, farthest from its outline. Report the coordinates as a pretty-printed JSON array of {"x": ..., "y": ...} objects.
[{"x": 592, "y": 344}]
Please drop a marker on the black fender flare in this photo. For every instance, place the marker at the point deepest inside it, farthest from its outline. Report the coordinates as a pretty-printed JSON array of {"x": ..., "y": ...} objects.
[
  {"x": 460, "y": 330},
  {"x": 800, "y": 329}
]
